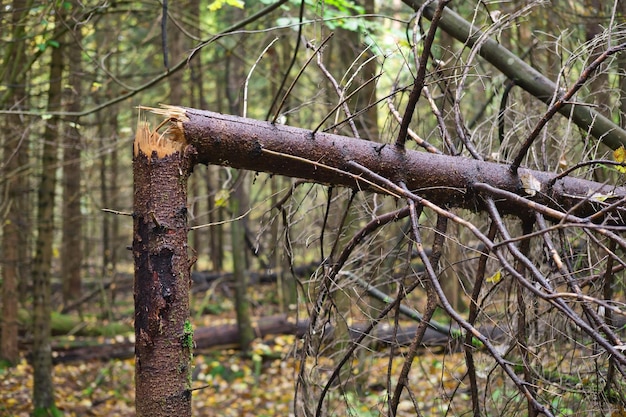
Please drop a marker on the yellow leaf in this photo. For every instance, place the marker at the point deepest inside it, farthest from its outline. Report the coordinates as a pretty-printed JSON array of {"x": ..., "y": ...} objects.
[
  {"x": 495, "y": 278},
  {"x": 601, "y": 197},
  {"x": 221, "y": 198},
  {"x": 216, "y": 5},
  {"x": 619, "y": 155}
]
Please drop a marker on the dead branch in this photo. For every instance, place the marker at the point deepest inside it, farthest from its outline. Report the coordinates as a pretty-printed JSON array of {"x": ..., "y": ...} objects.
[{"x": 446, "y": 181}]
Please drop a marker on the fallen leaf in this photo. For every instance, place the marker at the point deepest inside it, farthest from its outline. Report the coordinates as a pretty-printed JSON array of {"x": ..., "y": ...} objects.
[{"x": 530, "y": 183}]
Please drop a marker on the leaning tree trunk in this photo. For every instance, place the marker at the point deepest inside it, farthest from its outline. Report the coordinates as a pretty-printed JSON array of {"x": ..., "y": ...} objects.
[
  {"x": 163, "y": 335},
  {"x": 525, "y": 76}
]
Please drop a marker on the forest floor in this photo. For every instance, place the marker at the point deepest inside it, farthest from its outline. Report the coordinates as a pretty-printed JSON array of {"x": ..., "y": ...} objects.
[{"x": 227, "y": 383}]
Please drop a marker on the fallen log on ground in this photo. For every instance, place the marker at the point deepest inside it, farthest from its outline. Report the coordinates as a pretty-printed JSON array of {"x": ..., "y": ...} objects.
[{"x": 227, "y": 336}]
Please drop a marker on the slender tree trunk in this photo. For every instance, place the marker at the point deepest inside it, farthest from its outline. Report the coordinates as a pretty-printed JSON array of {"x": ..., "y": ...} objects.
[
  {"x": 198, "y": 181},
  {"x": 106, "y": 273},
  {"x": 215, "y": 215},
  {"x": 239, "y": 198},
  {"x": 107, "y": 129},
  {"x": 43, "y": 397},
  {"x": 281, "y": 259},
  {"x": 175, "y": 51},
  {"x": 163, "y": 335},
  {"x": 621, "y": 63},
  {"x": 117, "y": 242},
  {"x": 15, "y": 228},
  {"x": 71, "y": 250},
  {"x": 367, "y": 97},
  {"x": 239, "y": 207},
  {"x": 599, "y": 85}
]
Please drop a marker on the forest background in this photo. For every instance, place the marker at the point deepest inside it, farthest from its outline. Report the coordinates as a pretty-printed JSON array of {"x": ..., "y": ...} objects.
[{"x": 74, "y": 76}]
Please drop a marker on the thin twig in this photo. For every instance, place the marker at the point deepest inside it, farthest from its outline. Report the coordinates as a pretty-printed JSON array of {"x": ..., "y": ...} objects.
[
  {"x": 421, "y": 75},
  {"x": 245, "y": 87},
  {"x": 342, "y": 100},
  {"x": 306, "y": 64},
  {"x": 421, "y": 142},
  {"x": 119, "y": 213},
  {"x": 343, "y": 103}
]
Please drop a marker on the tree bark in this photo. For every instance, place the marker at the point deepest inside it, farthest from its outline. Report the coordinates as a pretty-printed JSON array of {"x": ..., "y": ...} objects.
[
  {"x": 525, "y": 76},
  {"x": 71, "y": 250},
  {"x": 163, "y": 338},
  {"x": 43, "y": 392},
  {"x": 239, "y": 207},
  {"x": 326, "y": 158},
  {"x": 15, "y": 230}
]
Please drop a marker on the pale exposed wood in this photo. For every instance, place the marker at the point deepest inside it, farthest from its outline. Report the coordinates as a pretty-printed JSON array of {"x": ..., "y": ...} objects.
[{"x": 170, "y": 141}]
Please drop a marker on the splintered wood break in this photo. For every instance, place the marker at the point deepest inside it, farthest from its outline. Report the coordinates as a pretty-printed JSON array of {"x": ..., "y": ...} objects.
[{"x": 167, "y": 142}]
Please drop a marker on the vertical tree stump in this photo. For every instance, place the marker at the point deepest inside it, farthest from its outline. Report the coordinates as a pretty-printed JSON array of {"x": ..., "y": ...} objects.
[{"x": 164, "y": 340}]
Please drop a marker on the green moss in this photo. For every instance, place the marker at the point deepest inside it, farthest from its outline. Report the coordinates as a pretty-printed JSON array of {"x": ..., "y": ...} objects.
[
  {"x": 188, "y": 335},
  {"x": 188, "y": 344}
]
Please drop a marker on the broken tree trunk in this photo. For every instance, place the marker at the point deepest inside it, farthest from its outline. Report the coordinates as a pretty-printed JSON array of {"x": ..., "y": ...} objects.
[
  {"x": 447, "y": 181},
  {"x": 162, "y": 163},
  {"x": 163, "y": 340}
]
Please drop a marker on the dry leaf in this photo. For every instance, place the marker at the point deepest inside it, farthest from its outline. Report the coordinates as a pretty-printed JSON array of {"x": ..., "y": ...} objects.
[{"x": 530, "y": 183}]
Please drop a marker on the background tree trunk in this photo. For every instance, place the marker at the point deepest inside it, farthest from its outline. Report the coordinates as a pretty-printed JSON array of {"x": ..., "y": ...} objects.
[
  {"x": 43, "y": 395},
  {"x": 239, "y": 208},
  {"x": 15, "y": 228},
  {"x": 71, "y": 250}
]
